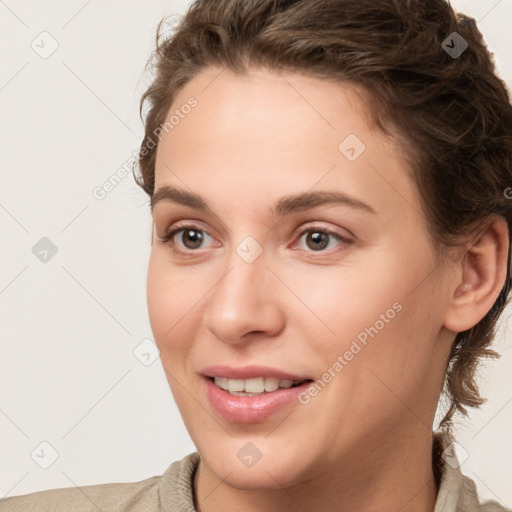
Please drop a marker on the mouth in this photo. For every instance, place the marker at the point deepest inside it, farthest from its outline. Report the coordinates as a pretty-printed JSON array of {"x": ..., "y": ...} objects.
[
  {"x": 252, "y": 394},
  {"x": 255, "y": 386}
]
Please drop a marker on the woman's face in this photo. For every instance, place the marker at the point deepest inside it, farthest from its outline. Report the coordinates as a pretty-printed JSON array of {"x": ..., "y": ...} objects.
[{"x": 270, "y": 279}]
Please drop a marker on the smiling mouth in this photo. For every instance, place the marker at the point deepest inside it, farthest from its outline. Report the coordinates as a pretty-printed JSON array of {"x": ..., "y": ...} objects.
[{"x": 255, "y": 386}]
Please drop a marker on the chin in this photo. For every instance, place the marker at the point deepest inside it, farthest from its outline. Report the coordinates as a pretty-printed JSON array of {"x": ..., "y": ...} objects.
[
  {"x": 260, "y": 477},
  {"x": 274, "y": 469}
]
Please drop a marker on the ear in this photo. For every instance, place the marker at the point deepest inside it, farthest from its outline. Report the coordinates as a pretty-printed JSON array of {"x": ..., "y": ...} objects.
[{"x": 481, "y": 276}]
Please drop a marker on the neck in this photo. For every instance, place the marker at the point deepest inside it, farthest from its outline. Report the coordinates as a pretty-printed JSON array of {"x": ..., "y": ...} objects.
[{"x": 391, "y": 475}]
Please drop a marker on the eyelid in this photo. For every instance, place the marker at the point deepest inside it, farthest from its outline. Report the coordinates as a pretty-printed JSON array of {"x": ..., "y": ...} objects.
[
  {"x": 178, "y": 226},
  {"x": 175, "y": 228},
  {"x": 316, "y": 227},
  {"x": 343, "y": 240}
]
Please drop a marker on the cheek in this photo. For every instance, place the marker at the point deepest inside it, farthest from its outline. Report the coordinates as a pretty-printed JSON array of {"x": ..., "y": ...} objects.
[
  {"x": 159, "y": 296},
  {"x": 377, "y": 311},
  {"x": 347, "y": 299},
  {"x": 171, "y": 298}
]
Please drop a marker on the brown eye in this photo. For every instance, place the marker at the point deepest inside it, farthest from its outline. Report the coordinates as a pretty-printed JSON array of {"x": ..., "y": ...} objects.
[
  {"x": 186, "y": 239},
  {"x": 317, "y": 240},
  {"x": 192, "y": 238}
]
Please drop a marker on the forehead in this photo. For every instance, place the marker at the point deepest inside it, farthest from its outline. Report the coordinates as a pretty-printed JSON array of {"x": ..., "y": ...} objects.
[
  {"x": 264, "y": 101},
  {"x": 266, "y": 131}
]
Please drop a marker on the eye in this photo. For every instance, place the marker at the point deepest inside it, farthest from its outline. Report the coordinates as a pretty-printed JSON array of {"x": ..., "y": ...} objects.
[
  {"x": 183, "y": 239},
  {"x": 318, "y": 238},
  {"x": 186, "y": 239}
]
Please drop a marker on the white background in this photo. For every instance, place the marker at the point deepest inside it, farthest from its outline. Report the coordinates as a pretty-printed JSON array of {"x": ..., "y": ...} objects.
[{"x": 68, "y": 328}]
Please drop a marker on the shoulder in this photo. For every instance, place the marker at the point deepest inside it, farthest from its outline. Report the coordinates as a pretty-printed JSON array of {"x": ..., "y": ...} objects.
[
  {"x": 112, "y": 497},
  {"x": 106, "y": 497},
  {"x": 457, "y": 491},
  {"x": 470, "y": 501}
]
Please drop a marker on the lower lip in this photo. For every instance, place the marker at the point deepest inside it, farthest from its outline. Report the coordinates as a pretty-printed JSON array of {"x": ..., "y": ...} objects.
[{"x": 251, "y": 409}]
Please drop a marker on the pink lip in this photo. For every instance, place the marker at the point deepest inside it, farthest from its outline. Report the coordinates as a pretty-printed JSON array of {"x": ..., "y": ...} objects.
[
  {"x": 250, "y": 409},
  {"x": 249, "y": 372}
]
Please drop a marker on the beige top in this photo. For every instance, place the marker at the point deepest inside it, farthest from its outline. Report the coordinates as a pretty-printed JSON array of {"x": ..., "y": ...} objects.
[{"x": 173, "y": 492}]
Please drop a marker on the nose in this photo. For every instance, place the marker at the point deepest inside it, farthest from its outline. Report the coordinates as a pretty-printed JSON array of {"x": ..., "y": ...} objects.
[{"x": 245, "y": 303}]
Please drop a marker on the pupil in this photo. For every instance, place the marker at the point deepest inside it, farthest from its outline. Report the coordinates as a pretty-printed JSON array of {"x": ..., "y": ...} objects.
[
  {"x": 319, "y": 238},
  {"x": 192, "y": 239}
]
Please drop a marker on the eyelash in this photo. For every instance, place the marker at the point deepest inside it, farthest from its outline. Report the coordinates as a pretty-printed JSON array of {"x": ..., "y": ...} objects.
[{"x": 167, "y": 239}]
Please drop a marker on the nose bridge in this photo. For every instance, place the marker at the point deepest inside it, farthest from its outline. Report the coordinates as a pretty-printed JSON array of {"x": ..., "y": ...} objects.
[
  {"x": 246, "y": 266},
  {"x": 244, "y": 285},
  {"x": 242, "y": 300}
]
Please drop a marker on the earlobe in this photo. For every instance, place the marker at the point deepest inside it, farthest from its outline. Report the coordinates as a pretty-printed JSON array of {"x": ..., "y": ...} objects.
[{"x": 481, "y": 276}]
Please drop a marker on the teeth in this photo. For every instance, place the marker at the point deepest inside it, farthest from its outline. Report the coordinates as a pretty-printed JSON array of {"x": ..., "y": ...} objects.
[
  {"x": 271, "y": 384},
  {"x": 235, "y": 384},
  {"x": 253, "y": 386}
]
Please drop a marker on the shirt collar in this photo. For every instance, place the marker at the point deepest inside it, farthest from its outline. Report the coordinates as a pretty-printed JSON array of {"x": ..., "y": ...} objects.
[
  {"x": 176, "y": 490},
  {"x": 455, "y": 492},
  {"x": 447, "y": 469}
]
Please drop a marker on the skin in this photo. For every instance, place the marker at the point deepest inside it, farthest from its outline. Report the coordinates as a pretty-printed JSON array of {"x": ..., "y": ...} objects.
[{"x": 364, "y": 442}]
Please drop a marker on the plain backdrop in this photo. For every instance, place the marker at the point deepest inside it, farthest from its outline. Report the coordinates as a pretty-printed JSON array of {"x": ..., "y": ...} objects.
[{"x": 76, "y": 383}]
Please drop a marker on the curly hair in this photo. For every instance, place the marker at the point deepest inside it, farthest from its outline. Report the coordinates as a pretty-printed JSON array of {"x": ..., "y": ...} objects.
[{"x": 452, "y": 112}]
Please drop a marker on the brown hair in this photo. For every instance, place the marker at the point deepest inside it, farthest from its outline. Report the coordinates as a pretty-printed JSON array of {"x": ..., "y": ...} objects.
[{"x": 452, "y": 113}]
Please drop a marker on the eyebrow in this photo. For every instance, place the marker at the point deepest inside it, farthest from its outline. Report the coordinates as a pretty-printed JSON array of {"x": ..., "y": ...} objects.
[{"x": 284, "y": 205}]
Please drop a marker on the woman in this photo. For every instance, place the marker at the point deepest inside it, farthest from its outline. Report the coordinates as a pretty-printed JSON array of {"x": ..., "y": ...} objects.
[{"x": 331, "y": 250}]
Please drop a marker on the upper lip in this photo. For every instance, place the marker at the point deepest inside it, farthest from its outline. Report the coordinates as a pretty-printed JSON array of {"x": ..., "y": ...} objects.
[{"x": 250, "y": 372}]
